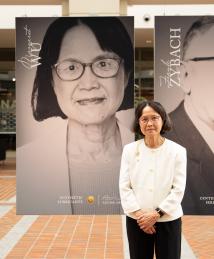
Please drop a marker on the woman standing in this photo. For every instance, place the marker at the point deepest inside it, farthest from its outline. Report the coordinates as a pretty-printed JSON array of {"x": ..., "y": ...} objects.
[{"x": 152, "y": 184}]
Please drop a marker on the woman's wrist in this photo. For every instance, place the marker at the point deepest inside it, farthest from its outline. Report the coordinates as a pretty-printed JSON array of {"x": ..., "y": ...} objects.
[
  {"x": 137, "y": 213},
  {"x": 160, "y": 212},
  {"x": 157, "y": 215}
]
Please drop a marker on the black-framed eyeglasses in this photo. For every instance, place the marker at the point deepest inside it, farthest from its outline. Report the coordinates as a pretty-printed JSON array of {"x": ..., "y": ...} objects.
[
  {"x": 196, "y": 59},
  {"x": 71, "y": 69}
]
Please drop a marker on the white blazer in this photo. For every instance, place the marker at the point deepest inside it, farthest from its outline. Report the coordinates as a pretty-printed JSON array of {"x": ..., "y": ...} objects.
[{"x": 151, "y": 178}]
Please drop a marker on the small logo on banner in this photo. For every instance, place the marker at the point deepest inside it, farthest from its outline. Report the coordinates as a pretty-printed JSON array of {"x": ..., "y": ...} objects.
[{"x": 90, "y": 199}]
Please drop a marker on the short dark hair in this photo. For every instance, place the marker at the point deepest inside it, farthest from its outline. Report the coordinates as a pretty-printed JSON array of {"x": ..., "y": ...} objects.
[
  {"x": 111, "y": 36},
  {"x": 199, "y": 26},
  {"x": 167, "y": 125}
]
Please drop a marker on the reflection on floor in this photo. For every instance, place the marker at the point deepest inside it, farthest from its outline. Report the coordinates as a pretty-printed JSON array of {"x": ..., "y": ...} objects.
[{"x": 78, "y": 237}]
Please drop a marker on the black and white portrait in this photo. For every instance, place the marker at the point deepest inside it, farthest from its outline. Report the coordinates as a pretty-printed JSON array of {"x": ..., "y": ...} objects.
[
  {"x": 75, "y": 101},
  {"x": 184, "y": 76}
]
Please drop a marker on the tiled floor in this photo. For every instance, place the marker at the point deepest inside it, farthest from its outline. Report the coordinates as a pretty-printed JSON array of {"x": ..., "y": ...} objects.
[
  {"x": 74, "y": 237},
  {"x": 77, "y": 237},
  {"x": 199, "y": 232}
]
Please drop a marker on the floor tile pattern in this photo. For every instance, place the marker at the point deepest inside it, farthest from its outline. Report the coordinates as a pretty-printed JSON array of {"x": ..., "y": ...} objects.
[
  {"x": 7, "y": 188},
  {"x": 72, "y": 237},
  {"x": 199, "y": 232}
]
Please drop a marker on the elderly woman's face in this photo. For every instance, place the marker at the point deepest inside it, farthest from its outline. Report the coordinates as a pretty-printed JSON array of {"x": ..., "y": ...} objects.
[
  {"x": 88, "y": 99},
  {"x": 150, "y": 122}
]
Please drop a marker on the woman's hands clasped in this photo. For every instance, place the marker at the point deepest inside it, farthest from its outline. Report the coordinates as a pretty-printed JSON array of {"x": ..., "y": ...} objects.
[{"x": 146, "y": 220}]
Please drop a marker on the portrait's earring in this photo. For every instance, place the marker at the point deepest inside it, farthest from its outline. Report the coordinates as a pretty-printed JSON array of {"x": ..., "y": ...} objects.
[
  {"x": 184, "y": 78},
  {"x": 188, "y": 88}
]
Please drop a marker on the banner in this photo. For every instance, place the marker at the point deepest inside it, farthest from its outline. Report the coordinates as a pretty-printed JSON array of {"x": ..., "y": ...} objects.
[
  {"x": 184, "y": 62},
  {"x": 75, "y": 99}
]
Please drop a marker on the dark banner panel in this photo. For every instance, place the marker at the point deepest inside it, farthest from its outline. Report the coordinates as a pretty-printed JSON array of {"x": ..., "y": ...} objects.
[
  {"x": 75, "y": 99},
  {"x": 184, "y": 76}
]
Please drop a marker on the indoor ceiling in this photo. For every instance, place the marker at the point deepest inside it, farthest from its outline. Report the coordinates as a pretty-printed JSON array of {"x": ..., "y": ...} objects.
[
  {"x": 143, "y": 37},
  {"x": 165, "y": 2},
  {"x": 130, "y": 2}
]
